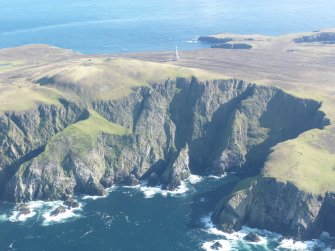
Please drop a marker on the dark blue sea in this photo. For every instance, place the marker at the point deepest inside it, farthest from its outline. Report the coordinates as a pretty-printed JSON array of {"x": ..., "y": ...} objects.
[
  {"x": 144, "y": 218},
  {"x": 103, "y": 26},
  {"x": 139, "y": 218}
]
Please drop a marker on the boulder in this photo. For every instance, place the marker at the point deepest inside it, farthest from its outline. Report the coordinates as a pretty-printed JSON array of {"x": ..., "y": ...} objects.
[
  {"x": 216, "y": 246},
  {"x": 59, "y": 210},
  {"x": 252, "y": 237},
  {"x": 131, "y": 180},
  {"x": 71, "y": 203},
  {"x": 23, "y": 209}
]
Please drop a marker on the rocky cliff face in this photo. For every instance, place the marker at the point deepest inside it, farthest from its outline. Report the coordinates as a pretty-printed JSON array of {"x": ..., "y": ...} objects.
[
  {"x": 23, "y": 136},
  {"x": 279, "y": 207},
  {"x": 175, "y": 127}
]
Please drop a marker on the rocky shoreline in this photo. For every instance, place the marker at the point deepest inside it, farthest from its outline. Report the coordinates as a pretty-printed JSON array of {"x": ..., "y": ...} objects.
[
  {"x": 278, "y": 207},
  {"x": 225, "y": 43},
  {"x": 160, "y": 132},
  {"x": 163, "y": 146}
]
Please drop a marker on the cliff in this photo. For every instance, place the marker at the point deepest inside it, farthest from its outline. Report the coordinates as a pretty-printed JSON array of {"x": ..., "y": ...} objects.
[
  {"x": 85, "y": 124},
  {"x": 53, "y": 152},
  {"x": 279, "y": 207}
]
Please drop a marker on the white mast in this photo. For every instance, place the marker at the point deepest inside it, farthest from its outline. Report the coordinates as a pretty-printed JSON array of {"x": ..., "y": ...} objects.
[{"x": 176, "y": 57}]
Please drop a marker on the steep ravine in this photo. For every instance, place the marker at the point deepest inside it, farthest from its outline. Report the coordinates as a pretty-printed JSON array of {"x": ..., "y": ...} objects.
[{"x": 161, "y": 132}]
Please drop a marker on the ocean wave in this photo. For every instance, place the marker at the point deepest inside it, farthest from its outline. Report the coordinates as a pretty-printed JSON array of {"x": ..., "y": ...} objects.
[
  {"x": 16, "y": 216},
  {"x": 95, "y": 197},
  {"x": 41, "y": 210},
  {"x": 236, "y": 241},
  {"x": 194, "y": 179},
  {"x": 33, "y": 206},
  {"x": 290, "y": 244},
  {"x": 62, "y": 217},
  {"x": 217, "y": 176},
  {"x": 150, "y": 192}
]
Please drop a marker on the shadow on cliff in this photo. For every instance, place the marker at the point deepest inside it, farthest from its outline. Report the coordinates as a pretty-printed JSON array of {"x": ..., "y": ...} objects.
[{"x": 286, "y": 117}]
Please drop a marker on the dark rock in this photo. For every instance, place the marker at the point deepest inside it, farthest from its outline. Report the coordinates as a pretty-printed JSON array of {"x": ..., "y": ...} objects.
[
  {"x": 216, "y": 40},
  {"x": 232, "y": 46},
  {"x": 228, "y": 161},
  {"x": 252, "y": 237},
  {"x": 71, "y": 203},
  {"x": 216, "y": 246},
  {"x": 23, "y": 209},
  {"x": 172, "y": 124},
  {"x": 153, "y": 180},
  {"x": 326, "y": 215},
  {"x": 177, "y": 171},
  {"x": 93, "y": 187},
  {"x": 131, "y": 180},
  {"x": 322, "y": 37},
  {"x": 276, "y": 206},
  {"x": 59, "y": 210}
]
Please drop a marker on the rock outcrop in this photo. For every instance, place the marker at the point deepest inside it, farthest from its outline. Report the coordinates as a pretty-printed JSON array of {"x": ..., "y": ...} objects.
[
  {"x": 322, "y": 37},
  {"x": 59, "y": 210},
  {"x": 23, "y": 209},
  {"x": 226, "y": 42},
  {"x": 234, "y": 46},
  {"x": 71, "y": 203},
  {"x": 279, "y": 207},
  {"x": 177, "y": 171},
  {"x": 53, "y": 152},
  {"x": 252, "y": 237}
]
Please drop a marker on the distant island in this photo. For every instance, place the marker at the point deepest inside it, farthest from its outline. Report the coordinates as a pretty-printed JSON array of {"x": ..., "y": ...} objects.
[{"x": 259, "y": 106}]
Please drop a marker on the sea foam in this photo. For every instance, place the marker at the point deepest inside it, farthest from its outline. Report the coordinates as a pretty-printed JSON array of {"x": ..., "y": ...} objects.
[
  {"x": 290, "y": 244},
  {"x": 150, "y": 192},
  {"x": 225, "y": 245},
  {"x": 33, "y": 206},
  {"x": 236, "y": 241},
  {"x": 41, "y": 210},
  {"x": 96, "y": 197},
  {"x": 68, "y": 214},
  {"x": 194, "y": 179}
]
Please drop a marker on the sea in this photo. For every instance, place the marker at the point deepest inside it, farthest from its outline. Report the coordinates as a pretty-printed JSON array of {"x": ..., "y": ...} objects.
[{"x": 145, "y": 218}]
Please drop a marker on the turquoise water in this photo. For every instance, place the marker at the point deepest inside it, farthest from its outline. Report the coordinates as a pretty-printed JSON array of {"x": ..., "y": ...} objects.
[{"x": 131, "y": 25}]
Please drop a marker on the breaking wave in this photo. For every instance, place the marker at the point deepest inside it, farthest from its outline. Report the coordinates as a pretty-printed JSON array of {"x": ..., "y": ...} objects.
[
  {"x": 268, "y": 240},
  {"x": 40, "y": 211}
]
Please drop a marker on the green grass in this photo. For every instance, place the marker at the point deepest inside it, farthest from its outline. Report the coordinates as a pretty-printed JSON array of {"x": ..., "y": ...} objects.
[
  {"x": 244, "y": 184},
  {"x": 82, "y": 136},
  {"x": 114, "y": 79},
  {"x": 24, "y": 96},
  {"x": 309, "y": 160},
  {"x": 305, "y": 161}
]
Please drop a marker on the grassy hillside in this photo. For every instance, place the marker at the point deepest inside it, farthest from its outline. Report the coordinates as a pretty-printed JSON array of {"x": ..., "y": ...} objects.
[
  {"x": 306, "y": 70},
  {"x": 82, "y": 136},
  {"x": 24, "y": 96}
]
